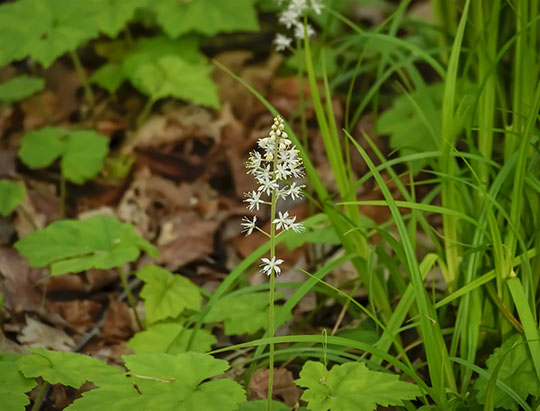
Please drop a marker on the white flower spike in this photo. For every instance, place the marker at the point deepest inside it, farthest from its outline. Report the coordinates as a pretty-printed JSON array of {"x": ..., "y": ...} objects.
[
  {"x": 293, "y": 18},
  {"x": 272, "y": 166}
]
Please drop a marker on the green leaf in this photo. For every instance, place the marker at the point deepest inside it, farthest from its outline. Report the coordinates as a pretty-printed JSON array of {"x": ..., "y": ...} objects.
[
  {"x": 113, "y": 15},
  {"x": 171, "y": 338},
  {"x": 67, "y": 368},
  {"x": 207, "y": 17},
  {"x": 172, "y": 381},
  {"x": 109, "y": 76},
  {"x": 516, "y": 371},
  {"x": 260, "y": 405},
  {"x": 19, "y": 88},
  {"x": 72, "y": 246},
  {"x": 166, "y": 295},
  {"x": 83, "y": 155},
  {"x": 82, "y": 152},
  {"x": 13, "y": 385},
  {"x": 40, "y": 148},
  {"x": 352, "y": 386},
  {"x": 242, "y": 314},
  {"x": 172, "y": 76},
  {"x": 45, "y": 29},
  {"x": 11, "y": 195}
]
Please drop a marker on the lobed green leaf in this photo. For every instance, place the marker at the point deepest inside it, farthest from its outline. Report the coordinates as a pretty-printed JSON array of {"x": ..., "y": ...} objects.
[{"x": 11, "y": 195}]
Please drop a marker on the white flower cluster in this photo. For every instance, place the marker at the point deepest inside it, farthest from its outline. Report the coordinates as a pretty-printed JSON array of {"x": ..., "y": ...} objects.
[
  {"x": 291, "y": 18},
  {"x": 272, "y": 169}
]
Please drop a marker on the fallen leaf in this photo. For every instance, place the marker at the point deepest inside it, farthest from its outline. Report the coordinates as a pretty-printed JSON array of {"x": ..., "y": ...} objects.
[
  {"x": 79, "y": 314},
  {"x": 17, "y": 282},
  {"x": 284, "y": 388},
  {"x": 37, "y": 334},
  {"x": 185, "y": 237},
  {"x": 118, "y": 324}
]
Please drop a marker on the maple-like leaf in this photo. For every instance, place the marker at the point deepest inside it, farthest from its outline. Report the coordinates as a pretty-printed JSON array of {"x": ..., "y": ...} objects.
[
  {"x": 170, "y": 338},
  {"x": 72, "y": 246},
  {"x": 172, "y": 76},
  {"x": 67, "y": 368},
  {"x": 207, "y": 17},
  {"x": 352, "y": 386},
  {"x": 166, "y": 295},
  {"x": 172, "y": 381}
]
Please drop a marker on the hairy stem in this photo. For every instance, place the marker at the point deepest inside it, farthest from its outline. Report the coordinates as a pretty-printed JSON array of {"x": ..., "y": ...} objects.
[
  {"x": 88, "y": 93},
  {"x": 130, "y": 297}
]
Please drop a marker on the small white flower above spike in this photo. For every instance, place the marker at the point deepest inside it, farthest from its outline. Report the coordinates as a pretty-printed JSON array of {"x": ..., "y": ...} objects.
[{"x": 270, "y": 264}]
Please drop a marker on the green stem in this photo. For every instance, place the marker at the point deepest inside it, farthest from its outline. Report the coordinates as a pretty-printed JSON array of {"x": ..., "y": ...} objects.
[
  {"x": 271, "y": 319},
  {"x": 63, "y": 194},
  {"x": 88, "y": 94},
  {"x": 141, "y": 118},
  {"x": 130, "y": 297},
  {"x": 41, "y": 393}
]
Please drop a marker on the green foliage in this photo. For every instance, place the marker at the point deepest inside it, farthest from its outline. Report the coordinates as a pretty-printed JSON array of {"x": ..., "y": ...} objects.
[
  {"x": 516, "y": 371},
  {"x": 324, "y": 59},
  {"x": 13, "y": 385},
  {"x": 166, "y": 295},
  {"x": 19, "y": 88},
  {"x": 172, "y": 381},
  {"x": 260, "y": 405},
  {"x": 172, "y": 76},
  {"x": 207, "y": 17},
  {"x": 82, "y": 152},
  {"x": 66, "y": 368},
  {"x": 113, "y": 15},
  {"x": 11, "y": 195},
  {"x": 171, "y": 338},
  {"x": 411, "y": 128},
  {"x": 44, "y": 29},
  {"x": 72, "y": 246},
  {"x": 242, "y": 314},
  {"x": 351, "y": 386}
]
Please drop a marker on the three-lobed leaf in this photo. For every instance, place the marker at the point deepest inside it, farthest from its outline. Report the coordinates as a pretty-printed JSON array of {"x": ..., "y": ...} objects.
[
  {"x": 11, "y": 195},
  {"x": 170, "y": 338},
  {"x": 172, "y": 76},
  {"x": 67, "y": 368},
  {"x": 72, "y": 246},
  {"x": 166, "y": 295},
  {"x": 44, "y": 29},
  {"x": 172, "y": 381},
  {"x": 207, "y": 17},
  {"x": 242, "y": 314},
  {"x": 516, "y": 371},
  {"x": 19, "y": 88},
  {"x": 352, "y": 386},
  {"x": 82, "y": 152},
  {"x": 13, "y": 384}
]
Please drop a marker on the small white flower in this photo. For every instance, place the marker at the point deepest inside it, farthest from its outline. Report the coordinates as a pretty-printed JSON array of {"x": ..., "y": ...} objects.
[
  {"x": 295, "y": 191},
  {"x": 282, "y": 171},
  {"x": 298, "y": 6},
  {"x": 248, "y": 225},
  {"x": 267, "y": 184},
  {"x": 255, "y": 160},
  {"x": 282, "y": 42},
  {"x": 254, "y": 200},
  {"x": 297, "y": 227},
  {"x": 288, "y": 18},
  {"x": 299, "y": 31},
  {"x": 316, "y": 6},
  {"x": 282, "y": 220},
  {"x": 271, "y": 264}
]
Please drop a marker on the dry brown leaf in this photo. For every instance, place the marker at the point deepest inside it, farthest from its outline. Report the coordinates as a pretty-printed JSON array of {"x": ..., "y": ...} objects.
[
  {"x": 79, "y": 314},
  {"x": 118, "y": 324},
  {"x": 185, "y": 237},
  {"x": 37, "y": 334},
  {"x": 284, "y": 388},
  {"x": 17, "y": 281}
]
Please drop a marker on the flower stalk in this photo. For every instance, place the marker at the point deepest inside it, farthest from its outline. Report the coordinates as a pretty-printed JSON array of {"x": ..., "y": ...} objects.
[{"x": 272, "y": 169}]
